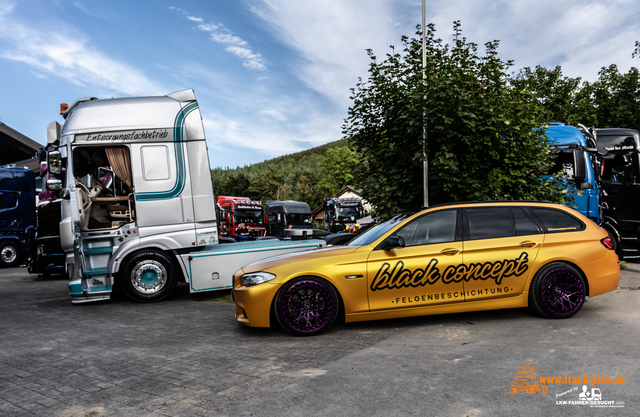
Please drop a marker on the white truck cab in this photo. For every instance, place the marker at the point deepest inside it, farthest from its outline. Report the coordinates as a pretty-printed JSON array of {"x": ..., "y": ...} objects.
[{"x": 138, "y": 204}]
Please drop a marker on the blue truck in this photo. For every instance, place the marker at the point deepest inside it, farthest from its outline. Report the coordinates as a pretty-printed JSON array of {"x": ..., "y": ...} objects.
[
  {"x": 17, "y": 212},
  {"x": 577, "y": 154}
]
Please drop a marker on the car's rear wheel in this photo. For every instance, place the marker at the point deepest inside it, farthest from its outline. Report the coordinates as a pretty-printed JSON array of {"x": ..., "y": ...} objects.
[
  {"x": 306, "y": 306},
  {"x": 557, "y": 291}
]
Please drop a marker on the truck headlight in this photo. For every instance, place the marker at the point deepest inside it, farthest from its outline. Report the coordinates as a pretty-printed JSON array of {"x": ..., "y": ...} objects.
[{"x": 256, "y": 278}]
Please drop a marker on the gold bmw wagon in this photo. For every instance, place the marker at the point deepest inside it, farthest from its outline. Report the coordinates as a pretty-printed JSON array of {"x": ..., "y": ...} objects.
[{"x": 445, "y": 259}]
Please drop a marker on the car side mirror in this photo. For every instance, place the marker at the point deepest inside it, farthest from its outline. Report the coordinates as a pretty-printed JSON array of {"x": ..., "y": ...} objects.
[{"x": 393, "y": 242}]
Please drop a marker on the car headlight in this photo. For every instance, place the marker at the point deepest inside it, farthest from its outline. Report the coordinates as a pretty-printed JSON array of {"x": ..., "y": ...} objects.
[{"x": 256, "y": 278}]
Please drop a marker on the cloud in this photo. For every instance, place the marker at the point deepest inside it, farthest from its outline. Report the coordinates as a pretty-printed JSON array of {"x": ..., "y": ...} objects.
[
  {"x": 331, "y": 39},
  {"x": 235, "y": 44},
  {"x": 581, "y": 36},
  {"x": 68, "y": 54}
]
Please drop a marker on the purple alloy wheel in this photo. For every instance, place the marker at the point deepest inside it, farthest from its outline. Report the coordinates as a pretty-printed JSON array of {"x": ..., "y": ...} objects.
[
  {"x": 562, "y": 291},
  {"x": 307, "y": 306}
]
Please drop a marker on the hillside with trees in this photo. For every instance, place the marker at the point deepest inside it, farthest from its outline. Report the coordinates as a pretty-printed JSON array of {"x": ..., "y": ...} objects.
[{"x": 308, "y": 176}]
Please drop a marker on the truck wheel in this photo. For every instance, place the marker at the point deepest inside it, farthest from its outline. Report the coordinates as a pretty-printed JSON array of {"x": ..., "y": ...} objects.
[
  {"x": 10, "y": 254},
  {"x": 148, "y": 276},
  {"x": 557, "y": 291},
  {"x": 306, "y": 306}
]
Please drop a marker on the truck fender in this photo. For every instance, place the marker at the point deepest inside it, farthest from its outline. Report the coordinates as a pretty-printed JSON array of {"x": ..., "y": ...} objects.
[{"x": 128, "y": 248}]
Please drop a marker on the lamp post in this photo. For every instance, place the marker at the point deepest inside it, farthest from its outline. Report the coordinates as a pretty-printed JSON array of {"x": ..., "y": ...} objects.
[{"x": 425, "y": 184}]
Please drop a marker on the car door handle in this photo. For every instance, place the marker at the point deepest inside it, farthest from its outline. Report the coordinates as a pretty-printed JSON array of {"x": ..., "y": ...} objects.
[
  {"x": 528, "y": 244},
  {"x": 452, "y": 251}
]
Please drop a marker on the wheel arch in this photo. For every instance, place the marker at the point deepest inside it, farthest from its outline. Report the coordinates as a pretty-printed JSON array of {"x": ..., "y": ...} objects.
[
  {"x": 568, "y": 262},
  {"x": 153, "y": 248}
]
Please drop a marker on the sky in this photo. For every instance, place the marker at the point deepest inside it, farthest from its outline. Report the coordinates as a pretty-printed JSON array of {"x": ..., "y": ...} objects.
[{"x": 272, "y": 77}]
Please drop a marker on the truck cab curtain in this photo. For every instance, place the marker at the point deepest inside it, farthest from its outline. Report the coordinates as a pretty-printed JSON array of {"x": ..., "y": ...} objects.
[{"x": 120, "y": 163}]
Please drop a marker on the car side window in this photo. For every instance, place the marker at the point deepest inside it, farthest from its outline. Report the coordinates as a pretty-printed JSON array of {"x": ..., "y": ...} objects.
[
  {"x": 438, "y": 227},
  {"x": 489, "y": 222},
  {"x": 524, "y": 225},
  {"x": 556, "y": 221}
]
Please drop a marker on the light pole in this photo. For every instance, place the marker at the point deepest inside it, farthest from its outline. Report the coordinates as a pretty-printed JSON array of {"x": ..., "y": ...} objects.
[{"x": 424, "y": 112}]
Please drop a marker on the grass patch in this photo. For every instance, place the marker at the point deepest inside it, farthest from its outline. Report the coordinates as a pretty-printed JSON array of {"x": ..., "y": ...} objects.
[
  {"x": 224, "y": 299},
  {"x": 623, "y": 264}
]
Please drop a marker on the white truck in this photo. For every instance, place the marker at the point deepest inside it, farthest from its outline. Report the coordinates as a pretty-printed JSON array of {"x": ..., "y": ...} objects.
[{"x": 138, "y": 207}]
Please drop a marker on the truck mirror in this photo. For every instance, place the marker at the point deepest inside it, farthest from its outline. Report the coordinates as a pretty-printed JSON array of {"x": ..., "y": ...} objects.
[
  {"x": 54, "y": 163},
  {"x": 54, "y": 184},
  {"x": 578, "y": 165}
]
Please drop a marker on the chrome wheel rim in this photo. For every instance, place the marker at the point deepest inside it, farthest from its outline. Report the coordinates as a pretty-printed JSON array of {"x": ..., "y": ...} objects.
[
  {"x": 148, "y": 277},
  {"x": 9, "y": 254}
]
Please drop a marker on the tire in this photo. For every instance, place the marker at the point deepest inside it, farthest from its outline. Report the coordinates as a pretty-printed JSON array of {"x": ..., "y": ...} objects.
[
  {"x": 10, "y": 254},
  {"x": 148, "y": 276},
  {"x": 306, "y": 306},
  {"x": 557, "y": 291}
]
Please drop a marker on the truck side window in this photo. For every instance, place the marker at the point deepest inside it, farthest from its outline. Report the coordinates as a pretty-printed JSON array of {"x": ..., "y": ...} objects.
[
  {"x": 556, "y": 221},
  {"x": 438, "y": 227},
  {"x": 488, "y": 223},
  {"x": 155, "y": 162}
]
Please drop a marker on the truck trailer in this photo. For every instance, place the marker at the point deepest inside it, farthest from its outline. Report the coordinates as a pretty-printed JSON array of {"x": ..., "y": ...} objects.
[{"x": 138, "y": 208}]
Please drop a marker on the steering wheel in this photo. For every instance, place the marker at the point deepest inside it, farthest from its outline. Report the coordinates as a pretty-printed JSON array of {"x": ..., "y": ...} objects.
[
  {"x": 86, "y": 199},
  {"x": 98, "y": 184}
]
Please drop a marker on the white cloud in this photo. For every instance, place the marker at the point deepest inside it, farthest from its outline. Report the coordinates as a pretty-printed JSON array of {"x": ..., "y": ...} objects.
[
  {"x": 581, "y": 36},
  {"x": 66, "y": 53},
  {"x": 236, "y": 45},
  {"x": 331, "y": 39}
]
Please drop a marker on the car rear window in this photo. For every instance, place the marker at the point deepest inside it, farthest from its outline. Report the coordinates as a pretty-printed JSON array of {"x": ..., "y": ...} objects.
[
  {"x": 524, "y": 225},
  {"x": 556, "y": 221}
]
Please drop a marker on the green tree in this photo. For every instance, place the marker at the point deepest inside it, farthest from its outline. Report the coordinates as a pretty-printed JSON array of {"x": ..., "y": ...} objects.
[
  {"x": 554, "y": 92},
  {"x": 266, "y": 186},
  {"x": 611, "y": 101},
  {"x": 484, "y": 138},
  {"x": 336, "y": 170}
]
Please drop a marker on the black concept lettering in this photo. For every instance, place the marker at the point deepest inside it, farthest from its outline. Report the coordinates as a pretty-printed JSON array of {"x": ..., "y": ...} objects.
[{"x": 399, "y": 277}]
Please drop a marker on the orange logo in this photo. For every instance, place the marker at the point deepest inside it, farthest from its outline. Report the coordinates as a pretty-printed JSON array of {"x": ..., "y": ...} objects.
[{"x": 527, "y": 380}]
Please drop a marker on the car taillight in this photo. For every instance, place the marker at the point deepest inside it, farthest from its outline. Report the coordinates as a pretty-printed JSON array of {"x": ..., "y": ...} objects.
[{"x": 607, "y": 243}]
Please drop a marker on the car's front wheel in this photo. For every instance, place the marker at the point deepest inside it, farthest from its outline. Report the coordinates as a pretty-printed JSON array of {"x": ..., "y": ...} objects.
[
  {"x": 306, "y": 306},
  {"x": 557, "y": 291}
]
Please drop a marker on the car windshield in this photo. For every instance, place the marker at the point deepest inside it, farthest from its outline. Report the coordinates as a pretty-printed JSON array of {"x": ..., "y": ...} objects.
[{"x": 370, "y": 235}]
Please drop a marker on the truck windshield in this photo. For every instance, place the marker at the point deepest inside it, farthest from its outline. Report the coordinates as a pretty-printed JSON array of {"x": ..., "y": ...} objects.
[
  {"x": 372, "y": 234},
  {"x": 253, "y": 217},
  {"x": 349, "y": 213},
  {"x": 297, "y": 219}
]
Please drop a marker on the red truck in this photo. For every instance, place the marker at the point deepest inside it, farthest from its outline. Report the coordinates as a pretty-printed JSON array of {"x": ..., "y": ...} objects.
[{"x": 237, "y": 210}]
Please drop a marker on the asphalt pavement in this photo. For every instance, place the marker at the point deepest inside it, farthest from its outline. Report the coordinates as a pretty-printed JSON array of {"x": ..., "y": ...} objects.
[{"x": 188, "y": 357}]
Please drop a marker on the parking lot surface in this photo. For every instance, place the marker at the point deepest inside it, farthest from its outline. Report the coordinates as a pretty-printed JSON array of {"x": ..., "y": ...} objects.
[{"x": 188, "y": 357}]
